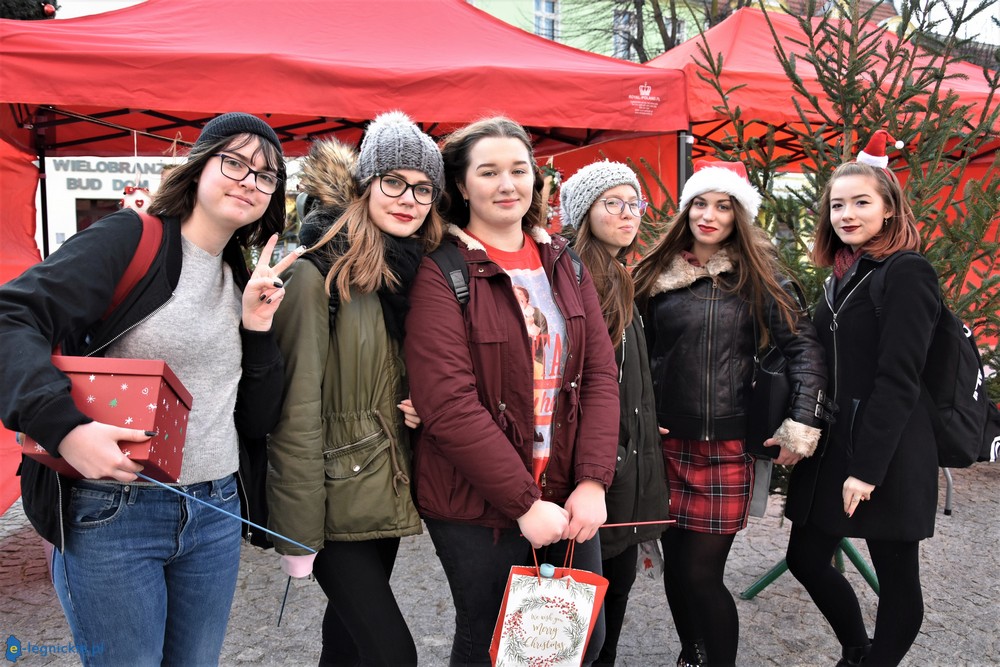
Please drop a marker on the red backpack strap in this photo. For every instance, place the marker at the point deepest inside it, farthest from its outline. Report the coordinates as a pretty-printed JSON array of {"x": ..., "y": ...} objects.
[{"x": 149, "y": 245}]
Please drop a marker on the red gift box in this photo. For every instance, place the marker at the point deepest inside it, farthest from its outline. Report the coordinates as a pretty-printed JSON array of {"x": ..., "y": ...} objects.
[{"x": 143, "y": 394}]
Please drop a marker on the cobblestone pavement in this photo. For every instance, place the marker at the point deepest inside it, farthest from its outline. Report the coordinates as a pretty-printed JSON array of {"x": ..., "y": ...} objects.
[{"x": 960, "y": 572}]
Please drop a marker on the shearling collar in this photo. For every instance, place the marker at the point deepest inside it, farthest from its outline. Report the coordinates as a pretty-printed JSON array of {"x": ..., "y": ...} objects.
[
  {"x": 537, "y": 233},
  {"x": 682, "y": 273}
]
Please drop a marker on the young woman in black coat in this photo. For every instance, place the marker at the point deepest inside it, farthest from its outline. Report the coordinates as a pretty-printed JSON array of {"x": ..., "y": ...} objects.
[{"x": 875, "y": 475}]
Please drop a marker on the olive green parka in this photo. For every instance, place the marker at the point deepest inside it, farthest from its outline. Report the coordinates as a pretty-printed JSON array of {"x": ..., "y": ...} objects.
[{"x": 339, "y": 459}]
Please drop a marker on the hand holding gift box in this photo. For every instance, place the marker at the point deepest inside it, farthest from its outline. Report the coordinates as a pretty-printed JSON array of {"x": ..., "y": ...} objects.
[{"x": 127, "y": 398}]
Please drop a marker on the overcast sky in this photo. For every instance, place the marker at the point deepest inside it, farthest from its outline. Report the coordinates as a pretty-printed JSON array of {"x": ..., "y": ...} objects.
[{"x": 988, "y": 30}]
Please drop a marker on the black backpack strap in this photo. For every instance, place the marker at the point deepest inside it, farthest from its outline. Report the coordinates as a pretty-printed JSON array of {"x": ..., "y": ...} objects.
[
  {"x": 877, "y": 289},
  {"x": 452, "y": 264},
  {"x": 577, "y": 264}
]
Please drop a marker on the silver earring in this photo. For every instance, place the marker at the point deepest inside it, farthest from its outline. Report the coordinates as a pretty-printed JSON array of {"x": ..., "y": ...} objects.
[{"x": 466, "y": 202}]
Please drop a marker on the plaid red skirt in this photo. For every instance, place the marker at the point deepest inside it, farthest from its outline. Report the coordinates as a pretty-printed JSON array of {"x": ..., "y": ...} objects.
[{"x": 710, "y": 483}]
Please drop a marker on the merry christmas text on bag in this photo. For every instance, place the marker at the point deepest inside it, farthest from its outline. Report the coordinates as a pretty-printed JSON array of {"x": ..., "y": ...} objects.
[{"x": 547, "y": 616}]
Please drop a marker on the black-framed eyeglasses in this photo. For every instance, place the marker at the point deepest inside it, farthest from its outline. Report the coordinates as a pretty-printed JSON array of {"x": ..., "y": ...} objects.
[
  {"x": 265, "y": 181},
  {"x": 394, "y": 186},
  {"x": 615, "y": 205}
]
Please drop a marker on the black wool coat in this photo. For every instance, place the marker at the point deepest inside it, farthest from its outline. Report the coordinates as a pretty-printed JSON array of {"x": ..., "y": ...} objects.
[{"x": 883, "y": 433}]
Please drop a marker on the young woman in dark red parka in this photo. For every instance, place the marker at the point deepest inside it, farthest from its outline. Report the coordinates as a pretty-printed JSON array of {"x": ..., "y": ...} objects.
[{"x": 514, "y": 453}]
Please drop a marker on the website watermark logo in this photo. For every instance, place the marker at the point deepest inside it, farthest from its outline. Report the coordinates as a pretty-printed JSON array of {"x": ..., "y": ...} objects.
[{"x": 15, "y": 649}]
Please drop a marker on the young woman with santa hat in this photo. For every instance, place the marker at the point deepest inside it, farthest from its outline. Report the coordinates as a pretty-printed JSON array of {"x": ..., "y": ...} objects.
[
  {"x": 876, "y": 474},
  {"x": 713, "y": 296}
]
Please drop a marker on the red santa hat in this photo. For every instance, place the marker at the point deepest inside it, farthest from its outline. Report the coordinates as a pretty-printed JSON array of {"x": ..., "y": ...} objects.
[
  {"x": 874, "y": 153},
  {"x": 728, "y": 177}
]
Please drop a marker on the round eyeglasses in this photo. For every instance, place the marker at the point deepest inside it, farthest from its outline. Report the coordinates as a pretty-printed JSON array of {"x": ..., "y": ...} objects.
[
  {"x": 615, "y": 206},
  {"x": 394, "y": 186},
  {"x": 265, "y": 181}
]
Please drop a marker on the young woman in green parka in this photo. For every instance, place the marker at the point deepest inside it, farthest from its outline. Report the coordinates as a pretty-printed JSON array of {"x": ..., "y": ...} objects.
[
  {"x": 602, "y": 208},
  {"x": 339, "y": 479}
]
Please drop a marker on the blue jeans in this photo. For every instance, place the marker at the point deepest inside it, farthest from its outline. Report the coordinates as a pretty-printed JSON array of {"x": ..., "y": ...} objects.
[
  {"x": 147, "y": 576},
  {"x": 477, "y": 562}
]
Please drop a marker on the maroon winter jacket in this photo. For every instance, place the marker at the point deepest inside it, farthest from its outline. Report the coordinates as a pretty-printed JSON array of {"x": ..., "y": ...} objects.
[{"x": 471, "y": 382}]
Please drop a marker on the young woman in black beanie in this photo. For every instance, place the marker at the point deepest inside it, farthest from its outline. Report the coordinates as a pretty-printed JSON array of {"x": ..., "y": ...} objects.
[
  {"x": 602, "y": 209},
  {"x": 339, "y": 479},
  {"x": 146, "y": 576}
]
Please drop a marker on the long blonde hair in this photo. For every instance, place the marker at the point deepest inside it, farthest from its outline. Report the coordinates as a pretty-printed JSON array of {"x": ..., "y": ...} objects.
[{"x": 362, "y": 264}]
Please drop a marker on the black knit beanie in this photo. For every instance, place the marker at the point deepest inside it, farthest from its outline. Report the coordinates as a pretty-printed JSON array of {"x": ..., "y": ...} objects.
[{"x": 231, "y": 124}]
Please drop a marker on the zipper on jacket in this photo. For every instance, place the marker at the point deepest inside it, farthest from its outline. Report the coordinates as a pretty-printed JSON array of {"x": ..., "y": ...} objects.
[
  {"x": 621, "y": 367},
  {"x": 709, "y": 371},
  {"x": 122, "y": 333},
  {"x": 835, "y": 312}
]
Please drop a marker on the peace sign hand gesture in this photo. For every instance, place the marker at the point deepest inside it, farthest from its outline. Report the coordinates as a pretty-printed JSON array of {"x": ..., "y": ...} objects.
[{"x": 264, "y": 292}]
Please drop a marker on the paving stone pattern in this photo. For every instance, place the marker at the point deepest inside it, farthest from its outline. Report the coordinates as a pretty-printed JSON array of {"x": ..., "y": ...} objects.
[{"x": 960, "y": 569}]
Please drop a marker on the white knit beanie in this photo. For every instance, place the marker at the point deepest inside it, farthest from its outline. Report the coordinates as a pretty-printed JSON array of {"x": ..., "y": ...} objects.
[
  {"x": 393, "y": 141},
  {"x": 727, "y": 177},
  {"x": 580, "y": 191}
]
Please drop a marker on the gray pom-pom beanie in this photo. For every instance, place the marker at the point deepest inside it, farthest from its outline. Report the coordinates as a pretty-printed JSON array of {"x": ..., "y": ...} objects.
[
  {"x": 579, "y": 192},
  {"x": 393, "y": 141}
]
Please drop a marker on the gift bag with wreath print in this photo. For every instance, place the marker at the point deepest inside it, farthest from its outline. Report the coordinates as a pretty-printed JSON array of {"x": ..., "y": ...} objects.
[{"x": 547, "y": 616}]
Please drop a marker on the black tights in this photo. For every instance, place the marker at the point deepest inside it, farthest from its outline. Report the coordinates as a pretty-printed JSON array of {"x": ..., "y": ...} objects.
[
  {"x": 362, "y": 624},
  {"x": 620, "y": 573},
  {"x": 701, "y": 605},
  {"x": 901, "y": 603}
]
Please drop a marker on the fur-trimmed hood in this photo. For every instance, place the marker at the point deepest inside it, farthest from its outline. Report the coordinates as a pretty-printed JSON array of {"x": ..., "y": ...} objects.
[
  {"x": 328, "y": 173},
  {"x": 537, "y": 233},
  {"x": 682, "y": 273}
]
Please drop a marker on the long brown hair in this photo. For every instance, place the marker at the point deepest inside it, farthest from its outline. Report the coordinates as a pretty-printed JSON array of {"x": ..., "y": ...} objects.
[
  {"x": 611, "y": 279},
  {"x": 758, "y": 270},
  {"x": 900, "y": 230},
  {"x": 363, "y": 265},
  {"x": 455, "y": 150},
  {"x": 178, "y": 192}
]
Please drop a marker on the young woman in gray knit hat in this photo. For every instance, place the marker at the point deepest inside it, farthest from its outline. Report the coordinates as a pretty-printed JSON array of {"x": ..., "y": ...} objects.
[
  {"x": 713, "y": 296},
  {"x": 602, "y": 209},
  {"x": 340, "y": 455},
  {"x": 147, "y": 576}
]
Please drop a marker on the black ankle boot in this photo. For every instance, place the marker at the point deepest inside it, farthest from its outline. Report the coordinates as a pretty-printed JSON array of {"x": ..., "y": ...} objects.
[
  {"x": 854, "y": 655},
  {"x": 692, "y": 654}
]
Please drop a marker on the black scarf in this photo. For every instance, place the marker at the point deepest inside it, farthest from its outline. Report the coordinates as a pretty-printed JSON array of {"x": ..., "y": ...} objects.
[{"x": 403, "y": 257}]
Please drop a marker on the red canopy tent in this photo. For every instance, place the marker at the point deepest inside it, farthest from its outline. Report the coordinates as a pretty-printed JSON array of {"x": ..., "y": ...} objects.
[
  {"x": 143, "y": 80},
  {"x": 747, "y": 46},
  {"x": 312, "y": 67}
]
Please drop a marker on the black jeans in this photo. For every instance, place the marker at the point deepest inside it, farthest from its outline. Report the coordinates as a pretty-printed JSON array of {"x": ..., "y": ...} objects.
[
  {"x": 477, "y": 562},
  {"x": 363, "y": 624}
]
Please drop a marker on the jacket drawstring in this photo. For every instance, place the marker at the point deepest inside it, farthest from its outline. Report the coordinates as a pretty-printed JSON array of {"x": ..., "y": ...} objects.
[{"x": 398, "y": 476}]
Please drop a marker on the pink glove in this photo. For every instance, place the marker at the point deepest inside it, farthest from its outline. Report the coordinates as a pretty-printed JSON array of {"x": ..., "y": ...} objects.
[{"x": 298, "y": 566}]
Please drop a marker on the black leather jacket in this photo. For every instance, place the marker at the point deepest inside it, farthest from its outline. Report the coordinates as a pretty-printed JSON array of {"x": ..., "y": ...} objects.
[{"x": 701, "y": 343}]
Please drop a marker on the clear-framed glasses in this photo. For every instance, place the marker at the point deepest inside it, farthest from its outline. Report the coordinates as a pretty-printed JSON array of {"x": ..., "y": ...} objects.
[
  {"x": 265, "y": 181},
  {"x": 615, "y": 206},
  {"x": 394, "y": 186}
]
